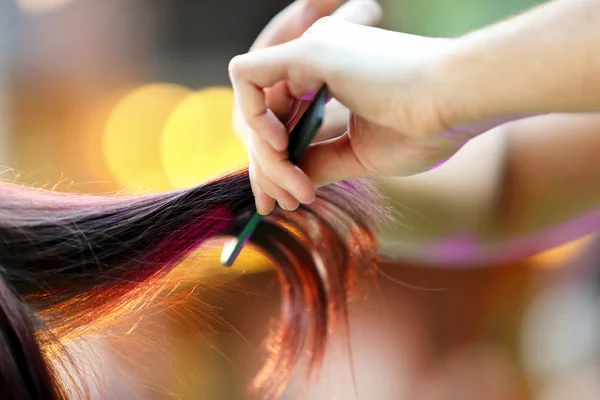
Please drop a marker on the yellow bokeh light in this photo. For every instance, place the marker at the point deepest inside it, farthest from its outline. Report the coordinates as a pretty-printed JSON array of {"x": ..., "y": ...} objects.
[
  {"x": 204, "y": 264},
  {"x": 132, "y": 138},
  {"x": 198, "y": 140},
  {"x": 561, "y": 255}
]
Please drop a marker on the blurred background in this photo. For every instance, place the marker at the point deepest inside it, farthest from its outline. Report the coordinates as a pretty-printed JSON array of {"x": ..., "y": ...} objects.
[{"x": 103, "y": 96}]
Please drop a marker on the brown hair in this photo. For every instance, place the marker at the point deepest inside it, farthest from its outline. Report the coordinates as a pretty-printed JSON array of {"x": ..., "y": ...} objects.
[{"x": 69, "y": 262}]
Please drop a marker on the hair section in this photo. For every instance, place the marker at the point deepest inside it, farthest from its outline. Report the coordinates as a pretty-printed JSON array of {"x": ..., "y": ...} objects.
[{"x": 78, "y": 262}]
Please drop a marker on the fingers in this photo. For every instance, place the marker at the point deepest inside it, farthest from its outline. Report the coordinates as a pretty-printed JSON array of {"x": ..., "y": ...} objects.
[
  {"x": 362, "y": 12},
  {"x": 292, "y": 21},
  {"x": 335, "y": 123},
  {"x": 294, "y": 62},
  {"x": 277, "y": 167},
  {"x": 268, "y": 191},
  {"x": 274, "y": 177},
  {"x": 265, "y": 192},
  {"x": 252, "y": 102},
  {"x": 279, "y": 101},
  {"x": 264, "y": 202},
  {"x": 331, "y": 161},
  {"x": 269, "y": 66},
  {"x": 252, "y": 72},
  {"x": 266, "y": 85}
]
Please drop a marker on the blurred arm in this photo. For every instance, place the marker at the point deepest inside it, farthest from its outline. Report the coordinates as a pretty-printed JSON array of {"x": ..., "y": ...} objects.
[{"x": 511, "y": 192}]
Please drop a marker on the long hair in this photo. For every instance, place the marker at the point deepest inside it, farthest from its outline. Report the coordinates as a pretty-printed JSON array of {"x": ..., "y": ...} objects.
[{"x": 70, "y": 261}]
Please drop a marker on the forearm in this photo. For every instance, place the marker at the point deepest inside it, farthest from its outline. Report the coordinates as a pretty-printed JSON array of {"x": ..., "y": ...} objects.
[{"x": 545, "y": 60}]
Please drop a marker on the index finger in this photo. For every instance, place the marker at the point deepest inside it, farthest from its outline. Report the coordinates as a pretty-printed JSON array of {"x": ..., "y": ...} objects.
[
  {"x": 294, "y": 20},
  {"x": 253, "y": 72}
]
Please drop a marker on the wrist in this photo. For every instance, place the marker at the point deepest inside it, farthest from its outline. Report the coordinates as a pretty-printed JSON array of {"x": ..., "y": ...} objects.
[
  {"x": 454, "y": 99},
  {"x": 467, "y": 96}
]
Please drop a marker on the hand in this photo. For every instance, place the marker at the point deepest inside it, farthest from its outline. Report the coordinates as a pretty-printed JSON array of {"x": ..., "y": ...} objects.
[
  {"x": 391, "y": 83},
  {"x": 290, "y": 24}
]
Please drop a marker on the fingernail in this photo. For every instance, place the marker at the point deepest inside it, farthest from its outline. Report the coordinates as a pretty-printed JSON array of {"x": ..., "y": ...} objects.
[
  {"x": 288, "y": 206},
  {"x": 303, "y": 198},
  {"x": 261, "y": 209}
]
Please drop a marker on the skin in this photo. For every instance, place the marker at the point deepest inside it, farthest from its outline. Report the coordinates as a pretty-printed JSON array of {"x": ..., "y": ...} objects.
[
  {"x": 416, "y": 101},
  {"x": 288, "y": 25},
  {"x": 521, "y": 188}
]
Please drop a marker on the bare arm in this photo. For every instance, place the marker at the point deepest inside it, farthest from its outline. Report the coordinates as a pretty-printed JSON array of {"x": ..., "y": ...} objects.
[
  {"x": 522, "y": 188},
  {"x": 545, "y": 60}
]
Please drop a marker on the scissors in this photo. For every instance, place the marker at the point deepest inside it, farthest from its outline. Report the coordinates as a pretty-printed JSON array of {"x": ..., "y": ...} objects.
[{"x": 300, "y": 138}]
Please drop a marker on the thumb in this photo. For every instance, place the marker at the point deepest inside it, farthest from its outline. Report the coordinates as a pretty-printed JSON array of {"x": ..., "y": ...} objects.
[
  {"x": 332, "y": 161},
  {"x": 335, "y": 122}
]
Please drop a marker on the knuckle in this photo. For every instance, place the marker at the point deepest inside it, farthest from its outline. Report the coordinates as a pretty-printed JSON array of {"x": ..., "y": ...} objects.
[
  {"x": 268, "y": 189},
  {"x": 261, "y": 151},
  {"x": 316, "y": 43},
  {"x": 321, "y": 26},
  {"x": 326, "y": 22},
  {"x": 263, "y": 177},
  {"x": 274, "y": 174},
  {"x": 269, "y": 173},
  {"x": 236, "y": 67}
]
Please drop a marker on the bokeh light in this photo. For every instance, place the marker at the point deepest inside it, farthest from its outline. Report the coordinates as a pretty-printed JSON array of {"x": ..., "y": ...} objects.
[
  {"x": 561, "y": 255},
  {"x": 560, "y": 328},
  {"x": 132, "y": 137},
  {"x": 204, "y": 265},
  {"x": 198, "y": 140}
]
